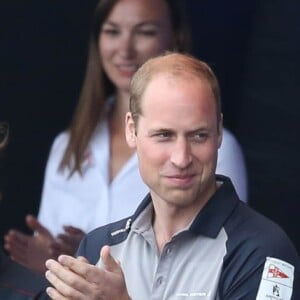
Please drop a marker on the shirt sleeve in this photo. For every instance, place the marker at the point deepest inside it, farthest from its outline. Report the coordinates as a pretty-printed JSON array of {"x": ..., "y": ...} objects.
[
  {"x": 270, "y": 270},
  {"x": 48, "y": 208},
  {"x": 231, "y": 163}
]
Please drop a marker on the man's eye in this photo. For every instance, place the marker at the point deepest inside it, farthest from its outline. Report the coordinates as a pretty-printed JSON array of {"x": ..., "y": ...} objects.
[
  {"x": 200, "y": 137},
  {"x": 163, "y": 135}
]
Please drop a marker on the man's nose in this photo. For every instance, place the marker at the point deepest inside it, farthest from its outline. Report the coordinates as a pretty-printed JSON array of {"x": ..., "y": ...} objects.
[{"x": 181, "y": 155}]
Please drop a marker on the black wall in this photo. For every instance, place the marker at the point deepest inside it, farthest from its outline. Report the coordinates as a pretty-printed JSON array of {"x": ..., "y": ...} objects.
[
  {"x": 42, "y": 54},
  {"x": 268, "y": 125}
]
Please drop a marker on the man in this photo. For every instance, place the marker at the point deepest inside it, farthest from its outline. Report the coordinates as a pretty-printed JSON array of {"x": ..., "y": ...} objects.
[{"x": 191, "y": 237}]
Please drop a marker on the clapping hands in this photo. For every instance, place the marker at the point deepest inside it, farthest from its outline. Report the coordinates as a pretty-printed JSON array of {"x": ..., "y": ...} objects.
[
  {"x": 76, "y": 279},
  {"x": 32, "y": 251}
]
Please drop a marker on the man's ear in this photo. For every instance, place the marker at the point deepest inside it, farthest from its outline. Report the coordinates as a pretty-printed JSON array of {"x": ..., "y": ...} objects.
[
  {"x": 220, "y": 131},
  {"x": 130, "y": 130}
]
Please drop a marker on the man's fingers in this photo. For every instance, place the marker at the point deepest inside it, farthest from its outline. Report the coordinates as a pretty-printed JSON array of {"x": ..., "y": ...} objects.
[
  {"x": 62, "y": 290},
  {"x": 62, "y": 271},
  {"x": 54, "y": 294},
  {"x": 70, "y": 275},
  {"x": 65, "y": 262},
  {"x": 110, "y": 264},
  {"x": 76, "y": 279},
  {"x": 82, "y": 267},
  {"x": 83, "y": 259}
]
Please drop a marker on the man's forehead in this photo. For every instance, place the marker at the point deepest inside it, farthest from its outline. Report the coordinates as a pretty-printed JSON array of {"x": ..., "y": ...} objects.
[
  {"x": 173, "y": 76},
  {"x": 165, "y": 83},
  {"x": 166, "y": 99}
]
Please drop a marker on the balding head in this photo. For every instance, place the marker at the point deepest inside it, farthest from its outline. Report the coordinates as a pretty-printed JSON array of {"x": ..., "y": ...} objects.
[{"x": 175, "y": 65}]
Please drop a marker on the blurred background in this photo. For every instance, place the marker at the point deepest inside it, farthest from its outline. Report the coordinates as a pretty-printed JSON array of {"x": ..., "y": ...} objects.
[{"x": 253, "y": 46}]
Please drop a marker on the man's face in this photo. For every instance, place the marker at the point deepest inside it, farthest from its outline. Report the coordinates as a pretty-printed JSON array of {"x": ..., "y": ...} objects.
[{"x": 177, "y": 140}]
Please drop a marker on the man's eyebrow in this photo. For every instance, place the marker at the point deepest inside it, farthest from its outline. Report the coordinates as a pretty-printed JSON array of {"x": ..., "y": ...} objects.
[
  {"x": 193, "y": 131},
  {"x": 161, "y": 129},
  {"x": 200, "y": 129}
]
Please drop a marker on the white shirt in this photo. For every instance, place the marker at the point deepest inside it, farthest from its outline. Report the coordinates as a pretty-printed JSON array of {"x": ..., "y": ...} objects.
[
  {"x": 231, "y": 163},
  {"x": 90, "y": 200}
]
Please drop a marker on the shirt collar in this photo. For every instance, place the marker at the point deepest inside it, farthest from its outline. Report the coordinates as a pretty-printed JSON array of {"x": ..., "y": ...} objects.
[
  {"x": 208, "y": 221},
  {"x": 214, "y": 214}
]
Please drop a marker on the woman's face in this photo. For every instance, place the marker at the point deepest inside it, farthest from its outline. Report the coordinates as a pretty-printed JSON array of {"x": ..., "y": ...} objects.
[{"x": 133, "y": 32}]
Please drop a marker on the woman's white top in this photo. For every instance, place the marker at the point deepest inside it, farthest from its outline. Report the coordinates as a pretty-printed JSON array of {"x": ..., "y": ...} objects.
[{"x": 91, "y": 200}]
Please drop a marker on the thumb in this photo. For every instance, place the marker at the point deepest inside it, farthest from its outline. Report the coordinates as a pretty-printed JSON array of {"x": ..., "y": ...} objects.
[
  {"x": 109, "y": 263},
  {"x": 36, "y": 226}
]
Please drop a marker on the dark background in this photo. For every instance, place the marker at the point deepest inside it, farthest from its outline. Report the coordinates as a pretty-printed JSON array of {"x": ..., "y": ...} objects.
[{"x": 253, "y": 46}]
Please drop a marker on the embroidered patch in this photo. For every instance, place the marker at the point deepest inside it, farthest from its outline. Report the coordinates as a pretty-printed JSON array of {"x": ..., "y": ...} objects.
[{"x": 277, "y": 280}]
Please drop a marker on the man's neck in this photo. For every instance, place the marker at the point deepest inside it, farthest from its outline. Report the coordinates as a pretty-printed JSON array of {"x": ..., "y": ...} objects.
[
  {"x": 169, "y": 219},
  {"x": 166, "y": 227}
]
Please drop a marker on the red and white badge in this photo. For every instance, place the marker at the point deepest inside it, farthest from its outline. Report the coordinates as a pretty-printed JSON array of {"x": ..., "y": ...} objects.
[{"x": 277, "y": 280}]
